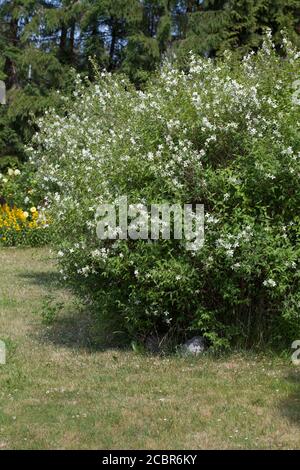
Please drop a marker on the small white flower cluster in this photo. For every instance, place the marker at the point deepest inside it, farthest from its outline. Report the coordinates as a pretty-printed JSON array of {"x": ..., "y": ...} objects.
[
  {"x": 10, "y": 172},
  {"x": 269, "y": 283},
  {"x": 100, "y": 253}
]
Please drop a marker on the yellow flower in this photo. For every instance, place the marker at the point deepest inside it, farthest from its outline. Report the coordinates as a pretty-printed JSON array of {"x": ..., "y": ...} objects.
[{"x": 14, "y": 219}]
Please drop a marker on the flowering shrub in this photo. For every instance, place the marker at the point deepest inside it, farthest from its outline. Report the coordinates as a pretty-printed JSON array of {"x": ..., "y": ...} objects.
[
  {"x": 225, "y": 134},
  {"x": 20, "y": 226}
]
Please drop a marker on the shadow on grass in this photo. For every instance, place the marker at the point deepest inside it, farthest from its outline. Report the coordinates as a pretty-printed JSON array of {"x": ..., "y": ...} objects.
[
  {"x": 290, "y": 407},
  {"x": 80, "y": 330},
  {"x": 47, "y": 279},
  {"x": 66, "y": 323}
]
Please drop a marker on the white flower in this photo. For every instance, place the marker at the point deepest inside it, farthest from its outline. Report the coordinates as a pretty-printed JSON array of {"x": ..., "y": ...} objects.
[
  {"x": 234, "y": 180},
  {"x": 269, "y": 283},
  {"x": 229, "y": 253},
  {"x": 236, "y": 266},
  {"x": 96, "y": 253},
  {"x": 210, "y": 219}
]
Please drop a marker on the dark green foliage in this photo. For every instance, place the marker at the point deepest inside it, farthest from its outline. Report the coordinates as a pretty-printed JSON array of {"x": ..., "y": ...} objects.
[{"x": 32, "y": 73}]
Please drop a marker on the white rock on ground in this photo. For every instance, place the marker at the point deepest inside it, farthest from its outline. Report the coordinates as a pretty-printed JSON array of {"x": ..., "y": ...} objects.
[{"x": 195, "y": 345}]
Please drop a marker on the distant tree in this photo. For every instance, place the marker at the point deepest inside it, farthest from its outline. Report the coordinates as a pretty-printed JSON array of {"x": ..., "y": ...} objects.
[
  {"x": 106, "y": 26},
  {"x": 32, "y": 70},
  {"x": 211, "y": 26},
  {"x": 150, "y": 40}
]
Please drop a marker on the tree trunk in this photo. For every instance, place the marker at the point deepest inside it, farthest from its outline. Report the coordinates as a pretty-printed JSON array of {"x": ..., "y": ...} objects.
[
  {"x": 63, "y": 41},
  {"x": 72, "y": 41},
  {"x": 9, "y": 67},
  {"x": 112, "y": 46}
]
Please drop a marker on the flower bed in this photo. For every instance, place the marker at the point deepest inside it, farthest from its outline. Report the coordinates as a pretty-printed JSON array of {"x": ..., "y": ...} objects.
[
  {"x": 21, "y": 222},
  {"x": 19, "y": 227}
]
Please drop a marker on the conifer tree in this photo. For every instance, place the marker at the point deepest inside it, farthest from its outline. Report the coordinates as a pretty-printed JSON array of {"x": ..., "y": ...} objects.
[{"x": 30, "y": 70}]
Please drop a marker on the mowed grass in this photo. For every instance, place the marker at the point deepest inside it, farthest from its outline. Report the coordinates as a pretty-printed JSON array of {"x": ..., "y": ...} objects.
[{"x": 57, "y": 392}]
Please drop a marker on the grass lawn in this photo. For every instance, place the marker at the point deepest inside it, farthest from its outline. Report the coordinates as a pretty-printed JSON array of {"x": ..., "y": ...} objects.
[{"x": 56, "y": 392}]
